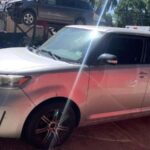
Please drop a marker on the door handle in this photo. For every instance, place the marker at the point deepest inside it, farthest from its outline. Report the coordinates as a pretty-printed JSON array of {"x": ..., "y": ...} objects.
[{"x": 143, "y": 73}]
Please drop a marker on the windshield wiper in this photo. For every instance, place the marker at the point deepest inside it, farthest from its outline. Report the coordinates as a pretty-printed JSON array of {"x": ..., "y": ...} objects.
[
  {"x": 54, "y": 56},
  {"x": 32, "y": 48}
]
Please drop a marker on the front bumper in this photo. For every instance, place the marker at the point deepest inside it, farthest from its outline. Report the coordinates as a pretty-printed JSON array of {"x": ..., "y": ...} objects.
[{"x": 15, "y": 106}]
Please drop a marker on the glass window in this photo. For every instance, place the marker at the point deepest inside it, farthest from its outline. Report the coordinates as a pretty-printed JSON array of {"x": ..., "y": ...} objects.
[
  {"x": 127, "y": 49},
  {"x": 71, "y": 43}
]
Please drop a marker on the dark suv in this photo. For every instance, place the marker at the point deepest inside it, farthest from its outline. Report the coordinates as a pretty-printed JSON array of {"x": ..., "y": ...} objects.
[{"x": 53, "y": 11}]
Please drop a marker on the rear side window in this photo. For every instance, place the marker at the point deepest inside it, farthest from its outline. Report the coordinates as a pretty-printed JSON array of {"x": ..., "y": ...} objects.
[{"x": 128, "y": 49}]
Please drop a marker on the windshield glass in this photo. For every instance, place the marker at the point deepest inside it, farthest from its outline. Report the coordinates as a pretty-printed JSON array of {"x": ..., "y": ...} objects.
[{"x": 71, "y": 43}]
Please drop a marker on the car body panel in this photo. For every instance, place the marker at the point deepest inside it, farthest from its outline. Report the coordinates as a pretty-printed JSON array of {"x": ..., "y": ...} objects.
[
  {"x": 17, "y": 107},
  {"x": 116, "y": 88},
  {"x": 65, "y": 84},
  {"x": 53, "y": 14},
  {"x": 67, "y": 15},
  {"x": 36, "y": 91}
]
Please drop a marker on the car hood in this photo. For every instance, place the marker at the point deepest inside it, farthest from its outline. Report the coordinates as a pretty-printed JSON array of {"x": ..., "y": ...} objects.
[{"x": 21, "y": 60}]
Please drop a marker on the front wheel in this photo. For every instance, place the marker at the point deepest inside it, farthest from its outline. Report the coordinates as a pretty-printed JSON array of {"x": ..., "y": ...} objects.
[
  {"x": 28, "y": 18},
  {"x": 50, "y": 125}
]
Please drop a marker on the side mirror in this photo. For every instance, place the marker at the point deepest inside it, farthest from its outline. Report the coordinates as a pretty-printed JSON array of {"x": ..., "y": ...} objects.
[{"x": 107, "y": 59}]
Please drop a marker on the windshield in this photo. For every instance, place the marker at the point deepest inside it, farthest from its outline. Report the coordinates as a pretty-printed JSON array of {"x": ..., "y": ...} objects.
[{"x": 71, "y": 43}]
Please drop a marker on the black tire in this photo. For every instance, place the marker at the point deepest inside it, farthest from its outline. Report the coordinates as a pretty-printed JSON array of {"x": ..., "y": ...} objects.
[
  {"x": 80, "y": 21},
  {"x": 28, "y": 18},
  {"x": 49, "y": 125}
]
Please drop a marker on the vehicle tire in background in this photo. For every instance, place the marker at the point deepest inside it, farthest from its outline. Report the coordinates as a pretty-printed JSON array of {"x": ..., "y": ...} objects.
[
  {"x": 28, "y": 18},
  {"x": 50, "y": 125}
]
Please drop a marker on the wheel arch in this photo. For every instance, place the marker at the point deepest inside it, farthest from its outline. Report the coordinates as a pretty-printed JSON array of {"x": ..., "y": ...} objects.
[
  {"x": 52, "y": 101},
  {"x": 31, "y": 10}
]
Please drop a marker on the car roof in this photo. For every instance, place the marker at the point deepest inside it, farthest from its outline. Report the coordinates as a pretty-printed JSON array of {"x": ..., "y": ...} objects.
[{"x": 139, "y": 32}]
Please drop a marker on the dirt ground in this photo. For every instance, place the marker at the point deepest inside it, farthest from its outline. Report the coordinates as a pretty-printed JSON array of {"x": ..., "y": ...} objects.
[{"x": 123, "y": 135}]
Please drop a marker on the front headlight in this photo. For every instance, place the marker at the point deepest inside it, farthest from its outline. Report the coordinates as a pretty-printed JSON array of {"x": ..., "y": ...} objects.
[{"x": 13, "y": 81}]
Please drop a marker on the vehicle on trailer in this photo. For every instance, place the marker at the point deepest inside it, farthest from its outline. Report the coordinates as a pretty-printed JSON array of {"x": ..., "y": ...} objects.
[
  {"x": 82, "y": 75},
  {"x": 53, "y": 11}
]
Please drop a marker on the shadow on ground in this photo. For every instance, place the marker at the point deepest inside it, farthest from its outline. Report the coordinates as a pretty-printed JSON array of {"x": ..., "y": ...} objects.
[{"x": 123, "y": 135}]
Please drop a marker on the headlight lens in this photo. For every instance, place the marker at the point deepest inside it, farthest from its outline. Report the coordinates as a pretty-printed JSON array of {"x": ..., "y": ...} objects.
[{"x": 13, "y": 81}]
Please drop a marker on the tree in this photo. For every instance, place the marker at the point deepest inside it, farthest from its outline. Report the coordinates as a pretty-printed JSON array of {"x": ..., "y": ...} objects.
[
  {"x": 108, "y": 19},
  {"x": 110, "y": 5},
  {"x": 147, "y": 2},
  {"x": 104, "y": 6},
  {"x": 92, "y": 2},
  {"x": 132, "y": 12}
]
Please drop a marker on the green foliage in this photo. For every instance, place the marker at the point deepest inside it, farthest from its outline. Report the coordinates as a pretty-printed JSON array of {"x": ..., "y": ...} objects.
[
  {"x": 106, "y": 14},
  {"x": 132, "y": 12},
  {"x": 108, "y": 19},
  {"x": 111, "y": 4}
]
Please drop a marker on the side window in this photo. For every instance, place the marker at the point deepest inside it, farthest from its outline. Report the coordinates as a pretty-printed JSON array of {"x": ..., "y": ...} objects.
[{"x": 128, "y": 49}]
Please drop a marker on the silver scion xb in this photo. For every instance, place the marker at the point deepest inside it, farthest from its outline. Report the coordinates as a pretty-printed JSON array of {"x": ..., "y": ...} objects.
[{"x": 82, "y": 75}]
